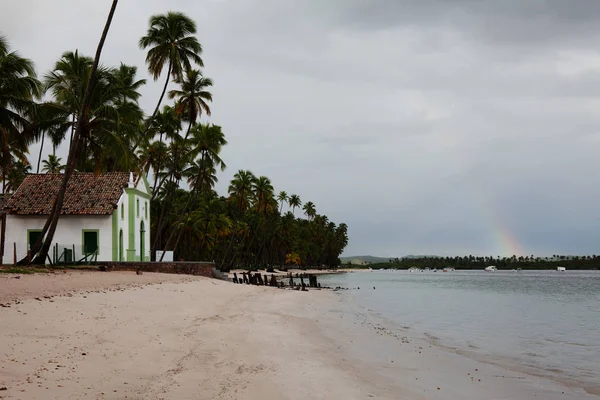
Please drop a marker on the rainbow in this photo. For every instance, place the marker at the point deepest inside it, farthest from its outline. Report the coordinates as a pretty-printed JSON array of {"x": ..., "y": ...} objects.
[{"x": 505, "y": 241}]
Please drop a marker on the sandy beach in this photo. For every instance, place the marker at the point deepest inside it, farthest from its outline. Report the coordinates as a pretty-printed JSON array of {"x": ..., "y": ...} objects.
[{"x": 153, "y": 336}]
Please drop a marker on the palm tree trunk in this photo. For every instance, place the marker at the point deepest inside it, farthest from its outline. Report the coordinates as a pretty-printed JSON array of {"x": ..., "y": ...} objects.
[
  {"x": 160, "y": 99},
  {"x": 160, "y": 224},
  {"x": 52, "y": 222},
  {"x": 72, "y": 131},
  {"x": 40, "y": 156},
  {"x": 157, "y": 167}
]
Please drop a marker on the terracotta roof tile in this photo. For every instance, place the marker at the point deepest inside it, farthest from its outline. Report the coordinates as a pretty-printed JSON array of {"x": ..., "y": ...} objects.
[{"x": 87, "y": 194}]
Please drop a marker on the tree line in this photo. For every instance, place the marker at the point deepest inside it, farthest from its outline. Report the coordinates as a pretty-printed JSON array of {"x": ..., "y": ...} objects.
[
  {"x": 94, "y": 111},
  {"x": 591, "y": 262}
]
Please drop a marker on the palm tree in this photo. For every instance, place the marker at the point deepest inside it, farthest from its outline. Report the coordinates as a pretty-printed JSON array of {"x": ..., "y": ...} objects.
[
  {"x": 206, "y": 142},
  {"x": 19, "y": 87},
  {"x": 168, "y": 124},
  {"x": 201, "y": 174},
  {"x": 309, "y": 210},
  {"x": 16, "y": 175},
  {"x": 192, "y": 98},
  {"x": 47, "y": 234},
  {"x": 124, "y": 78},
  {"x": 114, "y": 115},
  {"x": 263, "y": 195},
  {"x": 171, "y": 40},
  {"x": 67, "y": 83},
  {"x": 53, "y": 165},
  {"x": 241, "y": 190},
  {"x": 294, "y": 202},
  {"x": 282, "y": 197}
]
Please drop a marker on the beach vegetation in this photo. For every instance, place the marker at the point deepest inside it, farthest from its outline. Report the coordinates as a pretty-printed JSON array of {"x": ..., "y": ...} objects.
[{"x": 91, "y": 112}]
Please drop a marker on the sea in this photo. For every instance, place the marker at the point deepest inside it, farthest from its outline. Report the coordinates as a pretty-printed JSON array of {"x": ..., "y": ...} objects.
[{"x": 545, "y": 323}]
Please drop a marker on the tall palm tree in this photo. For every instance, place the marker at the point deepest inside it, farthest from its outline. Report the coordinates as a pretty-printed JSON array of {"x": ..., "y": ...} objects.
[
  {"x": 294, "y": 202},
  {"x": 241, "y": 190},
  {"x": 168, "y": 124},
  {"x": 171, "y": 42},
  {"x": 282, "y": 197},
  {"x": 309, "y": 210},
  {"x": 201, "y": 174},
  {"x": 19, "y": 87},
  {"x": 67, "y": 83},
  {"x": 192, "y": 99},
  {"x": 128, "y": 86},
  {"x": 206, "y": 142},
  {"x": 47, "y": 235},
  {"x": 53, "y": 165},
  {"x": 264, "y": 195},
  {"x": 114, "y": 115}
]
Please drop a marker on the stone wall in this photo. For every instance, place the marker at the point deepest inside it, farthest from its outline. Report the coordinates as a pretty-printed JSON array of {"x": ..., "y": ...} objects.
[{"x": 180, "y": 267}]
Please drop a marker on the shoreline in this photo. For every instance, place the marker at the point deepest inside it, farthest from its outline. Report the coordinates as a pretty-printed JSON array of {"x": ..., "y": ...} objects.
[{"x": 200, "y": 338}]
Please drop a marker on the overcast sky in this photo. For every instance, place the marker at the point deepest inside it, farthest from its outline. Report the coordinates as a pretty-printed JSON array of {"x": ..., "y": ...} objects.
[{"x": 428, "y": 126}]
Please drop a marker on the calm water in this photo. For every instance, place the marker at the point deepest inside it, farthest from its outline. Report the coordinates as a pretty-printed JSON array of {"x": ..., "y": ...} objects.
[{"x": 542, "y": 322}]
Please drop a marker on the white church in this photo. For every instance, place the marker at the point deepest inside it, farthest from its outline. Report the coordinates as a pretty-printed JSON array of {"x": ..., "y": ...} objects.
[{"x": 105, "y": 217}]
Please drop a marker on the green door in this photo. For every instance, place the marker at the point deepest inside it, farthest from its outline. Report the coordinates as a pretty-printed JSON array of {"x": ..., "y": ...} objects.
[
  {"x": 33, "y": 236},
  {"x": 90, "y": 242}
]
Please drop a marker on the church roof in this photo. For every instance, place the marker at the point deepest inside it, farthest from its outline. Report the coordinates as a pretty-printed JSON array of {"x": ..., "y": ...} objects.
[{"x": 87, "y": 194}]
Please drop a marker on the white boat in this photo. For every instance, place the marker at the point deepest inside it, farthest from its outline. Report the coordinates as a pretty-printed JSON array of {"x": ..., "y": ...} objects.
[
  {"x": 561, "y": 269},
  {"x": 449, "y": 269},
  {"x": 491, "y": 268},
  {"x": 414, "y": 269}
]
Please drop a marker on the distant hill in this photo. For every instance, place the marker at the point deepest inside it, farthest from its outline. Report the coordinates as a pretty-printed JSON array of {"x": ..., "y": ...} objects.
[{"x": 361, "y": 260}]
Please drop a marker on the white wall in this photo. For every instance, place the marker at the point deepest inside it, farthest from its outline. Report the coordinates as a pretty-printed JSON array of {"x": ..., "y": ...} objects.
[{"x": 68, "y": 233}]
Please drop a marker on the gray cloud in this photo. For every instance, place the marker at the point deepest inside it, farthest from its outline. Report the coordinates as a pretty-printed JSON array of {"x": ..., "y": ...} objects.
[{"x": 429, "y": 126}]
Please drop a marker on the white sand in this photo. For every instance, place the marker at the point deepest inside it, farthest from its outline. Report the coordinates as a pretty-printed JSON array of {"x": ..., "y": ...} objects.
[{"x": 205, "y": 339}]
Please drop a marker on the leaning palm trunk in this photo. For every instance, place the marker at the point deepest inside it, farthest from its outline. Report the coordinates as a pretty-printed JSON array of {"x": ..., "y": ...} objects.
[
  {"x": 50, "y": 227},
  {"x": 40, "y": 155}
]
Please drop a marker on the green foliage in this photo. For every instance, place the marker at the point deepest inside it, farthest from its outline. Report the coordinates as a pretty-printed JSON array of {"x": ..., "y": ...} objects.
[
  {"x": 502, "y": 263},
  {"x": 246, "y": 228}
]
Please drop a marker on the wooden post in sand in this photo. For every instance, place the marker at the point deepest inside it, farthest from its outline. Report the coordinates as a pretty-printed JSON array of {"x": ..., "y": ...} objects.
[
  {"x": 291, "y": 281},
  {"x": 235, "y": 278},
  {"x": 273, "y": 281},
  {"x": 14, "y": 253}
]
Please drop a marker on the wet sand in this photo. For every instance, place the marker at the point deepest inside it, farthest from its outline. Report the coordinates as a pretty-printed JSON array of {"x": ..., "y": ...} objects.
[{"x": 206, "y": 339}]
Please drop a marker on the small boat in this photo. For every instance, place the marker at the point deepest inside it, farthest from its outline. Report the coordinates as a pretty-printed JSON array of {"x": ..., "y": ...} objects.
[
  {"x": 561, "y": 269},
  {"x": 449, "y": 269},
  {"x": 491, "y": 268}
]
